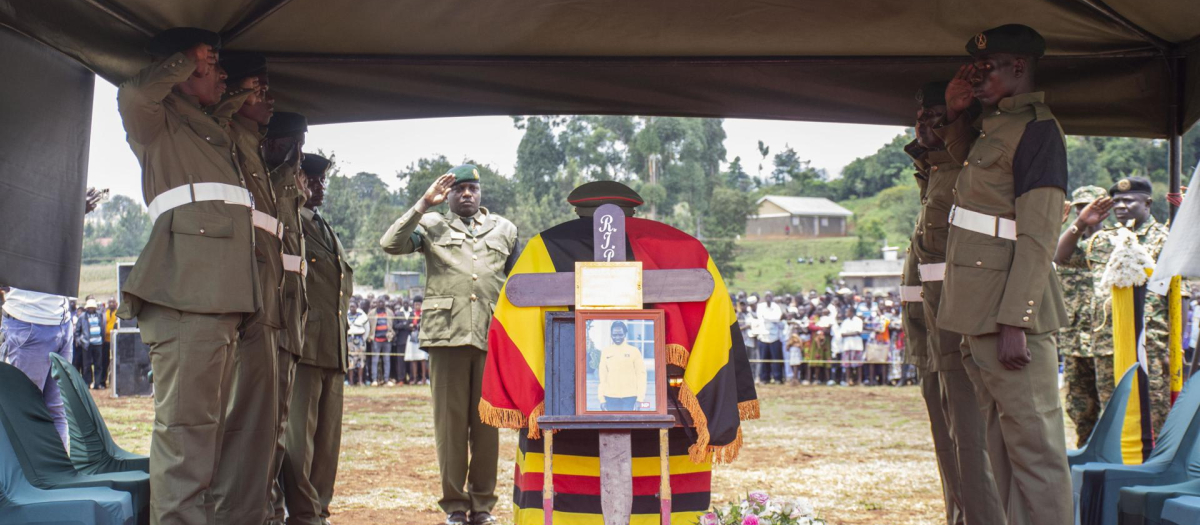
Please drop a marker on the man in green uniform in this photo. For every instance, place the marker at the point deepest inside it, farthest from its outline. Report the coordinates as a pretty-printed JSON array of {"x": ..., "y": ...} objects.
[
  {"x": 243, "y": 485},
  {"x": 468, "y": 254},
  {"x": 1000, "y": 290},
  {"x": 1130, "y": 203},
  {"x": 282, "y": 151},
  {"x": 958, "y": 429},
  {"x": 196, "y": 280},
  {"x": 314, "y": 430},
  {"x": 1088, "y": 375}
]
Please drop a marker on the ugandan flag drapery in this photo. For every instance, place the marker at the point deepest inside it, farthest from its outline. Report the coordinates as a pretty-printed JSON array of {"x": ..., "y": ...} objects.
[
  {"x": 702, "y": 338},
  {"x": 1128, "y": 269}
]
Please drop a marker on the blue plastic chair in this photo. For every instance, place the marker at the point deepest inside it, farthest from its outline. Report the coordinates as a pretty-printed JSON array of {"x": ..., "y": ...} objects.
[
  {"x": 1182, "y": 511},
  {"x": 22, "y": 503},
  {"x": 1097, "y": 486},
  {"x": 1104, "y": 444},
  {"x": 39, "y": 450},
  {"x": 93, "y": 450},
  {"x": 1143, "y": 505}
]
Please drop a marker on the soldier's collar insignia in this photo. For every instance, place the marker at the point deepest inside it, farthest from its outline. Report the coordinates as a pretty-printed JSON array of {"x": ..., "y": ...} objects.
[
  {"x": 1123, "y": 185},
  {"x": 981, "y": 41}
]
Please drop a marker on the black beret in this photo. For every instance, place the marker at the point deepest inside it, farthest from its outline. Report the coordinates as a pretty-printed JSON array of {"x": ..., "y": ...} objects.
[
  {"x": 601, "y": 192},
  {"x": 286, "y": 123},
  {"x": 242, "y": 65},
  {"x": 1132, "y": 185},
  {"x": 1015, "y": 39},
  {"x": 178, "y": 39},
  {"x": 314, "y": 165},
  {"x": 932, "y": 94}
]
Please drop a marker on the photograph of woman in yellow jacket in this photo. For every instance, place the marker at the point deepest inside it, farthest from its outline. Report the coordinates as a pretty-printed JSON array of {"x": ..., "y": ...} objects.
[{"x": 622, "y": 371}]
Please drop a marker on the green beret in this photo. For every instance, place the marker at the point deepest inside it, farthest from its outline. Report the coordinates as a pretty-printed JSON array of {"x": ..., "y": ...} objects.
[
  {"x": 1132, "y": 185},
  {"x": 932, "y": 94},
  {"x": 601, "y": 192},
  {"x": 238, "y": 66},
  {"x": 1087, "y": 195},
  {"x": 286, "y": 123},
  {"x": 464, "y": 173},
  {"x": 314, "y": 165},
  {"x": 178, "y": 39},
  {"x": 1014, "y": 39}
]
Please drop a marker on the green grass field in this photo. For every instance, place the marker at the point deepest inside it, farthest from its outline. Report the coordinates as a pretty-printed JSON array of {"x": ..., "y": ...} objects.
[{"x": 770, "y": 264}]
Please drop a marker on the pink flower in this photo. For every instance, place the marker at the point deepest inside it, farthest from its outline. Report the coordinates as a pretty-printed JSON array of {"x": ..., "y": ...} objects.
[
  {"x": 750, "y": 519},
  {"x": 759, "y": 497},
  {"x": 709, "y": 519}
]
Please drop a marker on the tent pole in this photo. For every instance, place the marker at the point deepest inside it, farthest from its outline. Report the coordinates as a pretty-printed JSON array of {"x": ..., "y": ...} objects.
[{"x": 1175, "y": 121}]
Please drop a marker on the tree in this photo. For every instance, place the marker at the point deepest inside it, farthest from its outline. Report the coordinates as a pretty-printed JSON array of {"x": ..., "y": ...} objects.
[
  {"x": 869, "y": 233},
  {"x": 724, "y": 223},
  {"x": 887, "y": 167},
  {"x": 538, "y": 155}
]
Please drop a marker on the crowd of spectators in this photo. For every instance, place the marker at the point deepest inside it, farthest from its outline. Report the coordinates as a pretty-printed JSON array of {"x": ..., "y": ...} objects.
[{"x": 383, "y": 345}]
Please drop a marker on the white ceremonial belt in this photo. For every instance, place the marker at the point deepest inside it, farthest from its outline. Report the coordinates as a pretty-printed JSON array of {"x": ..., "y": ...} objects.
[
  {"x": 983, "y": 223},
  {"x": 200, "y": 191},
  {"x": 932, "y": 272},
  {"x": 295, "y": 263},
  {"x": 911, "y": 294},
  {"x": 267, "y": 223}
]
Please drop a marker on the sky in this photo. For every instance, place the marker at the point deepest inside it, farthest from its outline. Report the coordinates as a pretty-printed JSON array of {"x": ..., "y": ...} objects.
[{"x": 386, "y": 147}]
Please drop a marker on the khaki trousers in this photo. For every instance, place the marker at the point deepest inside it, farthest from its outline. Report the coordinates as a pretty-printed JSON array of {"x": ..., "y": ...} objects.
[
  {"x": 456, "y": 376},
  {"x": 285, "y": 363},
  {"x": 243, "y": 485},
  {"x": 1025, "y": 435},
  {"x": 314, "y": 439},
  {"x": 192, "y": 358},
  {"x": 943, "y": 446}
]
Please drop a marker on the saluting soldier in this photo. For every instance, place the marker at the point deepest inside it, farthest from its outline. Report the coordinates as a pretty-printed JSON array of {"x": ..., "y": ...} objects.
[
  {"x": 195, "y": 282},
  {"x": 958, "y": 428},
  {"x": 1088, "y": 375},
  {"x": 282, "y": 149},
  {"x": 1000, "y": 290},
  {"x": 1130, "y": 200},
  {"x": 314, "y": 431},
  {"x": 243, "y": 485},
  {"x": 468, "y": 254}
]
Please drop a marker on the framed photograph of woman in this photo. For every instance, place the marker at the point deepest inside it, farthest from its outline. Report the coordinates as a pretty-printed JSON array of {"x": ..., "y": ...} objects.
[{"x": 620, "y": 362}]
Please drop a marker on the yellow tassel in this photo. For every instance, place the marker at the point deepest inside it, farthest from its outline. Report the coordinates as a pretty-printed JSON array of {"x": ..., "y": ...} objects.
[
  {"x": 500, "y": 417},
  {"x": 726, "y": 454},
  {"x": 678, "y": 355},
  {"x": 538, "y": 411},
  {"x": 748, "y": 410},
  {"x": 698, "y": 452}
]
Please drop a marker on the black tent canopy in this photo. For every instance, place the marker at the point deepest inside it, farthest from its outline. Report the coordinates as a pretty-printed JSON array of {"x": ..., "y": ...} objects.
[{"x": 1114, "y": 67}]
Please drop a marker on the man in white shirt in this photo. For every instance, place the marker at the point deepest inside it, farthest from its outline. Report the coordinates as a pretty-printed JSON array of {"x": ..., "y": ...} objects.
[
  {"x": 36, "y": 325},
  {"x": 770, "y": 348}
]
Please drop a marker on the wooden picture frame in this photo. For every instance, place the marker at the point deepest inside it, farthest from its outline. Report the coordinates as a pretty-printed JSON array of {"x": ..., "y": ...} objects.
[{"x": 587, "y": 377}]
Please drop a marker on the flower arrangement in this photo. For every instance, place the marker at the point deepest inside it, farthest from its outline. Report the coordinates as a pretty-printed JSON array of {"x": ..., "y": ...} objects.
[{"x": 758, "y": 508}]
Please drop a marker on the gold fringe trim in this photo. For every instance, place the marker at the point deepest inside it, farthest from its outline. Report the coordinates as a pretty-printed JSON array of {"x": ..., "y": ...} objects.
[
  {"x": 701, "y": 450},
  {"x": 727, "y": 453},
  {"x": 678, "y": 355},
  {"x": 500, "y": 417},
  {"x": 538, "y": 411},
  {"x": 748, "y": 410}
]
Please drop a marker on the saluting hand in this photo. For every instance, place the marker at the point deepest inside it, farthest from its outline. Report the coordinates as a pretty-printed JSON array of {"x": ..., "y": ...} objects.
[
  {"x": 204, "y": 57},
  {"x": 1095, "y": 213},
  {"x": 251, "y": 84},
  {"x": 959, "y": 92},
  {"x": 437, "y": 192}
]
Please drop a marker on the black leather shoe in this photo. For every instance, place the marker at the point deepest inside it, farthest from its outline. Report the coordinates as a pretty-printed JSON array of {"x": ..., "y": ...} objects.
[
  {"x": 457, "y": 517},
  {"x": 483, "y": 518}
]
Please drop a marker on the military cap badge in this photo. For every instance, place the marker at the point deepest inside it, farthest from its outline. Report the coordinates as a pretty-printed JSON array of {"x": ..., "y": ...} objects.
[
  {"x": 1123, "y": 185},
  {"x": 981, "y": 41}
]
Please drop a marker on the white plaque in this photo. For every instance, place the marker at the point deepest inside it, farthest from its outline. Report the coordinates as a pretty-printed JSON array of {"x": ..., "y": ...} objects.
[{"x": 603, "y": 285}]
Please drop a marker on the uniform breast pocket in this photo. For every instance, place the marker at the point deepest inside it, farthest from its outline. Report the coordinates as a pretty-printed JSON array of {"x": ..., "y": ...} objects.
[
  {"x": 445, "y": 252},
  {"x": 977, "y": 277},
  {"x": 498, "y": 252},
  {"x": 935, "y": 230},
  {"x": 436, "y": 320}
]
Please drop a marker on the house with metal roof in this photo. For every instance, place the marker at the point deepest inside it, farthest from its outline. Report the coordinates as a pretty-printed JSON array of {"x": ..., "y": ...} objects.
[{"x": 797, "y": 216}]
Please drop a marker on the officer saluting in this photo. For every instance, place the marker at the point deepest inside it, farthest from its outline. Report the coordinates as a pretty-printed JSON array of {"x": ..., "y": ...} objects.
[
  {"x": 195, "y": 282},
  {"x": 1000, "y": 289}
]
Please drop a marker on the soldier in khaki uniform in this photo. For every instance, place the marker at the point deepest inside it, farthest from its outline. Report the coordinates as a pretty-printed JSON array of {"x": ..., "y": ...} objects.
[
  {"x": 1088, "y": 376},
  {"x": 243, "y": 485},
  {"x": 1000, "y": 290},
  {"x": 958, "y": 429},
  {"x": 468, "y": 254},
  {"x": 196, "y": 280},
  {"x": 282, "y": 151},
  {"x": 314, "y": 429},
  {"x": 1130, "y": 203}
]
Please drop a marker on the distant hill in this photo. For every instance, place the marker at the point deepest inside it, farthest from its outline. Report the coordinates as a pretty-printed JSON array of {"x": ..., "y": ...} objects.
[{"x": 770, "y": 264}]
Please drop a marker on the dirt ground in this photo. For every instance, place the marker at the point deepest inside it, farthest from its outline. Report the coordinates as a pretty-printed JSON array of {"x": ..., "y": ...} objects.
[{"x": 860, "y": 455}]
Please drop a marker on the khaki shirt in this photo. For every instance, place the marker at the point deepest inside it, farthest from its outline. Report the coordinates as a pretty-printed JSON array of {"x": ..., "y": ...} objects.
[
  {"x": 464, "y": 267},
  {"x": 991, "y": 280},
  {"x": 294, "y": 309},
  {"x": 200, "y": 256},
  {"x": 330, "y": 283},
  {"x": 268, "y": 247}
]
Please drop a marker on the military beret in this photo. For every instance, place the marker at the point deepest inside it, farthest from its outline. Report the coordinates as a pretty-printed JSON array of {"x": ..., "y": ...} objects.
[
  {"x": 932, "y": 94},
  {"x": 1015, "y": 39},
  {"x": 314, "y": 165},
  {"x": 464, "y": 173},
  {"x": 178, "y": 39},
  {"x": 601, "y": 192},
  {"x": 1087, "y": 194},
  {"x": 242, "y": 65},
  {"x": 285, "y": 123},
  {"x": 1131, "y": 185}
]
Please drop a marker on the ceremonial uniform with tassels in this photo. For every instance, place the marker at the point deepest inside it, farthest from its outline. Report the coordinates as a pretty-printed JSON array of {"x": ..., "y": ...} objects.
[{"x": 702, "y": 339}]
